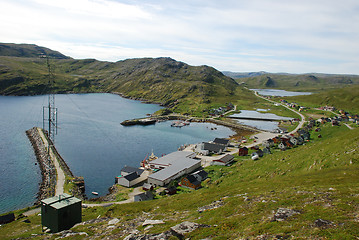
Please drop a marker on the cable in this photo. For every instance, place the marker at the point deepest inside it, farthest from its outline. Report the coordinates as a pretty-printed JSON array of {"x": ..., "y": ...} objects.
[{"x": 95, "y": 125}]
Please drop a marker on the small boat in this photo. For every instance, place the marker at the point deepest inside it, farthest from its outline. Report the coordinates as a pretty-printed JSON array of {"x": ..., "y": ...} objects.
[{"x": 95, "y": 193}]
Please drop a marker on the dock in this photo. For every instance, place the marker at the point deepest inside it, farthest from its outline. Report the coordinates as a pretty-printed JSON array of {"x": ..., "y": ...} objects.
[{"x": 256, "y": 118}]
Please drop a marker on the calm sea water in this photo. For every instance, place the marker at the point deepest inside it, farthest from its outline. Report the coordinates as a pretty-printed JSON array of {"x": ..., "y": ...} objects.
[
  {"x": 262, "y": 125},
  {"x": 279, "y": 93},
  {"x": 90, "y": 139}
]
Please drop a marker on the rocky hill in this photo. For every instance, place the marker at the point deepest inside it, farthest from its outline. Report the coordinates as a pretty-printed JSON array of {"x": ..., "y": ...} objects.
[
  {"x": 295, "y": 82},
  {"x": 162, "y": 80},
  {"x": 28, "y": 50}
]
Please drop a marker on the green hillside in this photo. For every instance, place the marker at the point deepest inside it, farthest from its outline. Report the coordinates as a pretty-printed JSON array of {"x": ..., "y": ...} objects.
[
  {"x": 179, "y": 86},
  {"x": 318, "y": 180},
  {"x": 343, "y": 98},
  {"x": 298, "y": 82},
  {"x": 28, "y": 50}
]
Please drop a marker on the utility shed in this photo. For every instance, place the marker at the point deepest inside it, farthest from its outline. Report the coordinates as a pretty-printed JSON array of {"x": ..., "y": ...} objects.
[{"x": 60, "y": 212}]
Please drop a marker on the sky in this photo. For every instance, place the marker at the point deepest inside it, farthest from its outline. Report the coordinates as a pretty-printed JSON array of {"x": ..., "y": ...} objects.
[{"x": 294, "y": 36}]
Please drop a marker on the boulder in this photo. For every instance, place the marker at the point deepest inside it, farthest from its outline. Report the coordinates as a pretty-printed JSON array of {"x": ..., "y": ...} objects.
[
  {"x": 152, "y": 222},
  {"x": 322, "y": 223},
  {"x": 186, "y": 227},
  {"x": 284, "y": 213},
  {"x": 113, "y": 221}
]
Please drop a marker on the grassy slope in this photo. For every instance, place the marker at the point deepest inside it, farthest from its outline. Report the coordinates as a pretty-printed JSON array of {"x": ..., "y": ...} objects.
[
  {"x": 343, "y": 98},
  {"x": 27, "y": 50},
  {"x": 184, "y": 88},
  {"x": 300, "y": 82},
  {"x": 319, "y": 179}
]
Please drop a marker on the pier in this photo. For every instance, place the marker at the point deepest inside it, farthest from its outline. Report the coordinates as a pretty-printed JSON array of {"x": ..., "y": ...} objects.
[
  {"x": 233, "y": 125},
  {"x": 53, "y": 167},
  {"x": 256, "y": 118}
]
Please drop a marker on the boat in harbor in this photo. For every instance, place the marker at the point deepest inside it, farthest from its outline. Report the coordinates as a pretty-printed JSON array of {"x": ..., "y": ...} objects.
[
  {"x": 180, "y": 124},
  {"x": 95, "y": 193},
  {"x": 145, "y": 162}
]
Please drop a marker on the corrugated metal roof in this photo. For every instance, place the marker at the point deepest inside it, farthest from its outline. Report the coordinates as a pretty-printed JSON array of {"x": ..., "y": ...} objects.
[
  {"x": 225, "y": 159},
  {"x": 129, "y": 169},
  {"x": 177, "y": 166},
  {"x": 61, "y": 201},
  {"x": 172, "y": 157},
  {"x": 131, "y": 176}
]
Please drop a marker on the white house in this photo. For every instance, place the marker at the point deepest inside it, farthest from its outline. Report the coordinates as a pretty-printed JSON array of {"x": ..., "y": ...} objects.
[
  {"x": 131, "y": 176},
  {"x": 226, "y": 160}
]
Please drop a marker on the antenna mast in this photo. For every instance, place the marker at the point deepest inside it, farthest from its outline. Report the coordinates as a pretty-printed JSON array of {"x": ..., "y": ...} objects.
[{"x": 52, "y": 111}]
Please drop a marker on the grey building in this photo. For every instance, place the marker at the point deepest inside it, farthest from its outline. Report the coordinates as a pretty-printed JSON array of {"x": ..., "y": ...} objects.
[{"x": 172, "y": 166}]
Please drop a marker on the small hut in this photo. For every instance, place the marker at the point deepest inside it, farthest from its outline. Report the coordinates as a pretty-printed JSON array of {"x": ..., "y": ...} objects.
[{"x": 60, "y": 212}]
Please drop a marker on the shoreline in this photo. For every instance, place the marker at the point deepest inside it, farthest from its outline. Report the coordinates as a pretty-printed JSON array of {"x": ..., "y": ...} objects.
[
  {"x": 50, "y": 185},
  {"x": 48, "y": 173}
]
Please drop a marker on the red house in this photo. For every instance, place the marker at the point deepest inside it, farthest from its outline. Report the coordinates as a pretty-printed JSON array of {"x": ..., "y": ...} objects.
[
  {"x": 190, "y": 182},
  {"x": 243, "y": 151}
]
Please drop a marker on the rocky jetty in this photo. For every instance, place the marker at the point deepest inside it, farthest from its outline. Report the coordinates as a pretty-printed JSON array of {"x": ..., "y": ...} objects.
[{"x": 47, "y": 167}]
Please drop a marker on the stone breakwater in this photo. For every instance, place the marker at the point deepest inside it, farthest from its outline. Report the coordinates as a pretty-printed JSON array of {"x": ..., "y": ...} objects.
[{"x": 47, "y": 167}]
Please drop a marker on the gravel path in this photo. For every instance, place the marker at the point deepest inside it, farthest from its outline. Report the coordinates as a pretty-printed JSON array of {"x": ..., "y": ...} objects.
[{"x": 60, "y": 173}]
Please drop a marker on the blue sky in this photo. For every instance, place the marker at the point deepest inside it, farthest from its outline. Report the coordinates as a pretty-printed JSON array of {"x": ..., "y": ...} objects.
[{"x": 295, "y": 36}]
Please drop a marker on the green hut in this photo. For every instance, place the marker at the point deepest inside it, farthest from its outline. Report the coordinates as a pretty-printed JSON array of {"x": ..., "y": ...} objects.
[{"x": 60, "y": 212}]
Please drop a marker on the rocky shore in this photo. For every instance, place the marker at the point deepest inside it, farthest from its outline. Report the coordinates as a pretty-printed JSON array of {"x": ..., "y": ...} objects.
[{"x": 47, "y": 167}]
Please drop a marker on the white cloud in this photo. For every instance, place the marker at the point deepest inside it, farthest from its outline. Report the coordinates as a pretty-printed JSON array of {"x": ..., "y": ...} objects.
[{"x": 280, "y": 35}]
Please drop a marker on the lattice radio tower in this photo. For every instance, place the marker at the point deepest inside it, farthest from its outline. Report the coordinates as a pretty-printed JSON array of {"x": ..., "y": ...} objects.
[{"x": 50, "y": 110}]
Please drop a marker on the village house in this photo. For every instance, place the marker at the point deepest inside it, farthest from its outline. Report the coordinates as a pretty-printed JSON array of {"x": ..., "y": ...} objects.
[
  {"x": 260, "y": 153},
  {"x": 171, "y": 190},
  {"x": 226, "y": 160},
  {"x": 200, "y": 175},
  {"x": 243, "y": 151},
  {"x": 144, "y": 196},
  {"x": 190, "y": 182},
  {"x": 147, "y": 187},
  {"x": 300, "y": 140},
  {"x": 172, "y": 166},
  {"x": 282, "y": 146},
  {"x": 268, "y": 143},
  {"x": 221, "y": 141},
  {"x": 266, "y": 150},
  {"x": 276, "y": 139},
  {"x": 212, "y": 147},
  {"x": 305, "y": 134},
  {"x": 294, "y": 140},
  {"x": 131, "y": 176},
  {"x": 289, "y": 144}
]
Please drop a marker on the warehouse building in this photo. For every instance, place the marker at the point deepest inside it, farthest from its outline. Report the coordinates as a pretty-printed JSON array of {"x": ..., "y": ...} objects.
[{"x": 172, "y": 166}]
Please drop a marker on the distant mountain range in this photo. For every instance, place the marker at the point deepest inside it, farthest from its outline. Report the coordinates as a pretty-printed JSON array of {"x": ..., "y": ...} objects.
[{"x": 308, "y": 81}]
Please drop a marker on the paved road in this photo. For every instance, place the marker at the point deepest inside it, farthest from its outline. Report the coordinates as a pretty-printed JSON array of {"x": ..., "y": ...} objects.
[
  {"x": 302, "y": 121},
  {"x": 106, "y": 204},
  {"x": 260, "y": 137}
]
